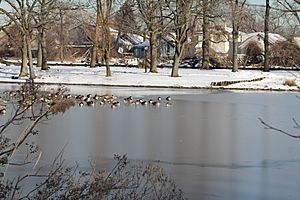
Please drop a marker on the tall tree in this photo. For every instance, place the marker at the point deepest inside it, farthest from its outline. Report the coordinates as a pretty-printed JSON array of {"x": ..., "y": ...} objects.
[
  {"x": 20, "y": 12},
  {"x": 150, "y": 13},
  {"x": 236, "y": 18},
  {"x": 290, "y": 6},
  {"x": 182, "y": 19},
  {"x": 102, "y": 31},
  {"x": 65, "y": 16},
  {"x": 125, "y": 19},
  {"x": 266, "y": 39},
  {"x": 43, "y": 18},
  {"x": 206, "y": 34}
]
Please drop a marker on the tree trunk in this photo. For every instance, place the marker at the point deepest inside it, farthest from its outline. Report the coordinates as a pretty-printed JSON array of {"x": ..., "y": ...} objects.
[
  {"x": 176, "y": 61},
  {"x": 235, "y": 66},
  {"x": 175, "y": 67},
  {"x": 44, "y": 50},
  {"x": 24, "y": 71},
  {"x": 145, "y": 61},
  {"x": 106, "y": 58},
  {"x": 62, "y": 42},
  {"x": 30, "y": 60},
  {"x": 266, "y": 39},
  {"x": 93, "y": 56},
  {"x": 40, "y": 54},
  {"x": 205, "y": 43},
  {"x": 153, "y": 52},
  {"x": 235, "y": 36}
]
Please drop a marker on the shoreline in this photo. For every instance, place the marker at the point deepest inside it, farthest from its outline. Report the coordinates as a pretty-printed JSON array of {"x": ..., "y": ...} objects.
[{"x": 159, "y": 86}]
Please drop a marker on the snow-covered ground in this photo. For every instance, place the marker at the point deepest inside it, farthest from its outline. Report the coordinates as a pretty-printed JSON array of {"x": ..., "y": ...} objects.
[{"x": 189, "y": 78}]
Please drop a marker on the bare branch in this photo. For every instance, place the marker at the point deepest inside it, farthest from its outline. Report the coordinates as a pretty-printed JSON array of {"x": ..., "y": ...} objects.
[{"x": 267, "y": 126}]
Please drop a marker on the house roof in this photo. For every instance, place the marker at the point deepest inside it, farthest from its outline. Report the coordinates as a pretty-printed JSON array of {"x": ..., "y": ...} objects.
[
  {"x": 297, "y": 40},
  {"x": 259, "y": 37},
  {"x": 134, "y": 39},
  {"x": 142, "y": 45}
]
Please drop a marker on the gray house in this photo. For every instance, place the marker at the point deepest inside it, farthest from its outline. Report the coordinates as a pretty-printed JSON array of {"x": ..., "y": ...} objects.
[{"x": 166, "y": 49}]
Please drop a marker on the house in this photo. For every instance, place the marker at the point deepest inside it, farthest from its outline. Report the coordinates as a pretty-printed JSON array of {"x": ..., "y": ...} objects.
[
  {"x": 297, "y": 40},
  {"x": 258, "y": 38},
  {"x": 220, "y": 40},
  {"x": 129, "y": 42},
  {"x": 140, "y": 50},
  {"x": 166, "y": 48}
]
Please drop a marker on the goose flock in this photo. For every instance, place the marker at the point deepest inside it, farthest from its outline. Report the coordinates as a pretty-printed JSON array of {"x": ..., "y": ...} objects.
[
  {"x": 114, "y": 102},
  {"x": 84, "y": 100}
]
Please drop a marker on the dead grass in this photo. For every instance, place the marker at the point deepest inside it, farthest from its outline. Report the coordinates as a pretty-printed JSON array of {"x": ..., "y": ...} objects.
[{"x": 290, "y": 82}]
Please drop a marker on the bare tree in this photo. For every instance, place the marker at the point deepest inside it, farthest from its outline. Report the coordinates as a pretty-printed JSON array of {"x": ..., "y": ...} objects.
[
  {"x": 290, "y": 6},
  {"x": 209, "y": 13},
  {"x": 125, "y": 20},
  {"x": 183, "y": 21},
  {"x": 66, "y": 15},
  {"x": 236, "y": 18},
  {"x": 206, "y": 35},
  {"x": 104, "y": 7},
  {"x": 150, "y": 12},
  {"x": 43, "y": 18},
  {"x": 266, "y": 39},
  {"x": 102, "y": 38},
  {"x": 20, "y": 12}
]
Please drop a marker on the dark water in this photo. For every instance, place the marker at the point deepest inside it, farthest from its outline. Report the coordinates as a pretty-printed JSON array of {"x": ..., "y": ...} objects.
[{"x": 211, "y": 143}]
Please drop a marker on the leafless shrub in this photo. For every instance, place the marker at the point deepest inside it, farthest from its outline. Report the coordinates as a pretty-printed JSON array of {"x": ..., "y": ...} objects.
[
  {"x": 290, "y": 82},
  {"x": 285, "y": 54},
  {"x": 124, "y": 181},
  {"x": 61, "y": 106},
  {"x": 254, "y": 54}
]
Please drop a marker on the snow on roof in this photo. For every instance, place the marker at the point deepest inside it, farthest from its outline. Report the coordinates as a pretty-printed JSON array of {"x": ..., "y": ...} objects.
[
  {"x": 259, "y": 37},
  {"x": 143, "y": 44},
  {"x": 137, "y": 39},
  {"x": 297, "y": 40}
]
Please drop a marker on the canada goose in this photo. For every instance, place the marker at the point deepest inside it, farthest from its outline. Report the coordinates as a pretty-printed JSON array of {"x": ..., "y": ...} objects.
[
  {"x": 41, "y": 99},
  {"x": 113, "y": 97},
  {"x": 116, "y": 103},
  {"x": 136, "y": 102},
  {"x": 90, "y": 103},
  {"x": 168, "y": 98},
  {"x": 81, "y": 104},
  {"x": 156, "y": 103},
  {"x": 96, "y": 97},
  {"x": 144, "y": 103},
  {"x": 128, "y": 99},
  {"x": 79, "y": 97},
  {"x": 2, "y": 111},
  {"x": 12, "y": 93},
  {"x": 3, "y": 102},
  {"x": 150, "y": 101},
  {"x": 169, "y": 104},
  {"x": 158, "y": 98},
  {"x": 101, "y": 103},
  {"x": 88, "y": 99},
  {"x": 68, "y": 96}
]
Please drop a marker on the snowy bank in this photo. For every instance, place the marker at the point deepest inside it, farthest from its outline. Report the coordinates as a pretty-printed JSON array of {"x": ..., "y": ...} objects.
[{"x": 135, "y": 77}]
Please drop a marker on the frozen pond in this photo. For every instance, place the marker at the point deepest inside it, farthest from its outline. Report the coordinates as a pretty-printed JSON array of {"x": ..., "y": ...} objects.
[{"x": 210, "y": 142}]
